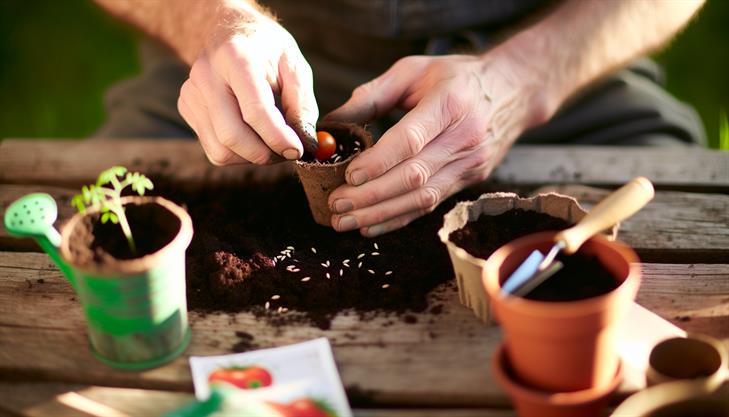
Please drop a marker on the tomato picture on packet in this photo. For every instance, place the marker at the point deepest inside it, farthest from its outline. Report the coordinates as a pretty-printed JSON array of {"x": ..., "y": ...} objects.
[{"x": 249, "y": 377}]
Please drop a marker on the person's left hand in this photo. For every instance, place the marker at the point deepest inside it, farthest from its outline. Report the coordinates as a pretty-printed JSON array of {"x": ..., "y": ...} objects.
[{"x": 464, "y": 112}]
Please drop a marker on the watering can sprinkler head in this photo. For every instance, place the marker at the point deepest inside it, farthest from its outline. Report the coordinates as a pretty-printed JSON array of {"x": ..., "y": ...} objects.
[{"x": 33, "y": 216}]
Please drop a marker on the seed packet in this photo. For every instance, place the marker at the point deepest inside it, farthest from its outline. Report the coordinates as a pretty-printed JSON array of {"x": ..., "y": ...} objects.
[{"x": 299, "y": 379}]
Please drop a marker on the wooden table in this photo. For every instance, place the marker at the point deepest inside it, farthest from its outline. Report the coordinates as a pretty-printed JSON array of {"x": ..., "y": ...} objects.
[{"x": 437, "y": 366}]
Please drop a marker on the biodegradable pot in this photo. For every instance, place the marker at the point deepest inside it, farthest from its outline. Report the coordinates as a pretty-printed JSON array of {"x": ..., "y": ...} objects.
[
  {"x": 563, "y": 346},
  {"x": 468, "y": 268},
  {"x": 700, "y": 358},
  {"x": 320, "y": 179},
  {"x": 136, "y": 309},
  {"x": 532, "y": 402},
  {"x": 680, "y": 398}
]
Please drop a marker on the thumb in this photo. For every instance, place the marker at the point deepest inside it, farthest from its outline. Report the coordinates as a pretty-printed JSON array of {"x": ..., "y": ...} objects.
[{"x": 371, "y": 100}]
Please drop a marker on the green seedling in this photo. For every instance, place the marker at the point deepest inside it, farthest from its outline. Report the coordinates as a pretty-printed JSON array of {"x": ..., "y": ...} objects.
[{"x": 106, "y": 196}]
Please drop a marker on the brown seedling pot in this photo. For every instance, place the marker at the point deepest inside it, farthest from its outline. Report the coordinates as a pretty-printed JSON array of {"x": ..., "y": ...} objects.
[
  {"x": 320, "y": 179},
  {"x": 532, "y": 402},
  {"x": 563, "y": 346}
]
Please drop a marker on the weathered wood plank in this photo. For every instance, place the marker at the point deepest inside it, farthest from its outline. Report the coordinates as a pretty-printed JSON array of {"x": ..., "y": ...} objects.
[
  {"x": 57, "y": 162},
  {"x": 42, "y": 337},
  {"x": 62, "y": 400},
  {"x": 675, "y": 227}
]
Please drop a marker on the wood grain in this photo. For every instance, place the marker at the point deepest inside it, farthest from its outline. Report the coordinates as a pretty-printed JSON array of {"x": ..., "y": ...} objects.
[
  {"x": 75, "y": 162},
  {"x": 42, "y": 338},
  {"x": 675, "y": 227}
]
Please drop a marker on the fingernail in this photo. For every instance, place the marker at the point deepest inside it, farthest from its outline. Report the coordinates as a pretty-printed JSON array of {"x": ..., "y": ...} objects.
[
  {"x": 375, "y": 230},
  {"x": 342, "y": 206},
  {"x": 291, "y": 154},
  {"x": 347, "y": 223},
  {"x": 358, "y": 177}
]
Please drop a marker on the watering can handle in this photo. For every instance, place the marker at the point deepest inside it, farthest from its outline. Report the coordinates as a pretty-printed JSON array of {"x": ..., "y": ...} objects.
[{"x": 618, "y": 206}]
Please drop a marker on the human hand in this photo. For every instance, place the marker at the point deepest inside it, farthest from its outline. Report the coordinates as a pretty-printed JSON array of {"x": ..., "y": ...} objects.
[
  {"x": 464, "y": 112},
  {"x": 229, "y": 99}
]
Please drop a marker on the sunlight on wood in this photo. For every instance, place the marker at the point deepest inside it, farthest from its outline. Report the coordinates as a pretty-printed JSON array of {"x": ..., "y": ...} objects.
[{"x": 83, "y": 404}]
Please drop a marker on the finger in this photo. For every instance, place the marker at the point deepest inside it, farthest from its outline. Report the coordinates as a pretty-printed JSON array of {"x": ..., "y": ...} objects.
[
  {"x": 297, "y": 89},
  {"x": 421, "y": 201},
  {"x": 191, "y": 109},
  {"x": 402, "y": 141},
  {"x": 409, "y": 175},
  {"x": 373, "y": 99},
  {"x": 258, "y": 107}
]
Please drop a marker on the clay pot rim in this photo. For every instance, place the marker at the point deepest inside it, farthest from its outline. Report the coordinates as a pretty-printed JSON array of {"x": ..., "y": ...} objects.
[
  {"x": 135, "y": 266},
  {"x": 663, "y": 395},
  {"x": 565, "y": 398},
  {"x": 563, "y": 308}
]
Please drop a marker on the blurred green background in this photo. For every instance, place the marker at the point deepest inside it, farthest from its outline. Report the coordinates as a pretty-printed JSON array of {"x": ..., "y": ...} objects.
[{"x": 57, "y": 57}]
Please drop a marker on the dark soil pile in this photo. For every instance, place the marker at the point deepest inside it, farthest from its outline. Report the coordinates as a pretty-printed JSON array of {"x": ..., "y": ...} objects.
[
  {"x": 482, "y": 237},
  {"x": 582, "y": 276},
  {"x": 257, "y": 248}
]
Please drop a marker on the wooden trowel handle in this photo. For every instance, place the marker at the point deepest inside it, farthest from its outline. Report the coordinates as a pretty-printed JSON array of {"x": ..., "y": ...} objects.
[{"x": 618, "y": 206}]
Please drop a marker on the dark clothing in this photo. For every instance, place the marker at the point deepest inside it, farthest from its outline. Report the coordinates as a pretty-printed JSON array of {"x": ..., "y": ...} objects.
[{"x": 349, "y": 42}]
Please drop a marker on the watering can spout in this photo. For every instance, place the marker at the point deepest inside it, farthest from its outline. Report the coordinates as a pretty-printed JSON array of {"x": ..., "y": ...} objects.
[{"x": 33, "y": 216}]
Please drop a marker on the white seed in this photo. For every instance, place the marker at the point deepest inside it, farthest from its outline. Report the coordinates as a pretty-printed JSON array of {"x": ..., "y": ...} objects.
[
  {"x": 375, "y": 253},
  {"x": 337, "y": 158},
  {"x": 324, "y": 265},
  {"x": 328, "y": 276},
  {"x": 360, "y": 256},
  {"x": 360, "y": 265},
  {"x": 288, "y": 254},
  {"x": 371, "y": 271},
  {"x": 267, "y": 305},
  {"x": 275, "y": 297},
  {"x": 388, "y": 273},
  {"x": 290, "y": 247},
  {"x": 334, "y": 155},
  {"x": 305, "y": 279},
  {"x": 356, "y": 142},
  {"x": 291, "y": 268},
  {"x": 296, "y": 270},
  {"x": 284, "y": 310},
  {"x": 279, "y": 309},
  {"x": 376, "y": 247},
  {"x": 346, "y": 261},
  {"x": 341, "y": 272},
  {"x": 313, "y": 250},
  {"x": 385, "y": 285},
  {"x": 327, "y": 262}
]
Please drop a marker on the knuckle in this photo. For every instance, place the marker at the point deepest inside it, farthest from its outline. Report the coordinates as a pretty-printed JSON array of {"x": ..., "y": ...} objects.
[
  {"x": 416, "y": 175},
  {"x": 414, "y": 138},
  {"x": 228, "y": 140},
  {"x": 259, "y": 157},
  {"x": 428, "y": 198},
  {"x": 454, "y": 104},
  {"x": 219, "y": 158}
]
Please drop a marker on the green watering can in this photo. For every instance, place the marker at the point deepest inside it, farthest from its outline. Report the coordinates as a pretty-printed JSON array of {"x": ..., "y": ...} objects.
[{"x": 136, "y": 314}]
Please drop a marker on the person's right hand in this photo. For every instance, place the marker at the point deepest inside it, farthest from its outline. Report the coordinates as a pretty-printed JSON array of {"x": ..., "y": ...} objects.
[{"x": 229, "y": 99}]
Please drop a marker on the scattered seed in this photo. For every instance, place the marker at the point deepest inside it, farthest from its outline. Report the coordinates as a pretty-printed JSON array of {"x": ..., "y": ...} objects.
[
  {"x": 284, "y": 310},
  {"x": 290, "y": 247},
  {"x": 376, "y": 247},
  {"x": 375, "y": 253},
  {"x": 288, "y": 254},
  {"x": 275, "y": 297},
  {"x": 360, "y": 256},
  {"x": 313, "y": 250},
  {"x": 385, "y": 285},
  {"x": 284, "y": 252},
  {"x": 267, "y": 305},
  {"x": 337, "y": 158},
  {"x": 279, "y": 309},
  {"x": 291, "y": 268},
  {"x": 334, "y": 155},
  {"x": 356, "y": 143},
  {"x": 371, "y": 271},
  {"x": 305, "y": 279},
  {"x": 341, "y": 272},
  {"x": 324, "y": 265},
  {"x": 328, "y": 276},
  {"x": 360, "y": 265},
  {"x": 388, "y": 273}
]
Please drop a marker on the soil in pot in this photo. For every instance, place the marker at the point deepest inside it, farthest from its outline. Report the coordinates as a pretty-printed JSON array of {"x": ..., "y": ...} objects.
[
  {"x": 94, "y": 243},
  {"x": 582, "y": 276},
  {"x": 256, "y": 248},
  {"x": 349, "y": 142},
  {"x": 488, "y": 233}
]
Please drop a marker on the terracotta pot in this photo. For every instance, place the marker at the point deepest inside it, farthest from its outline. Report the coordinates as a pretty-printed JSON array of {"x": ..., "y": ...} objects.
[
  {"x": 530, "y": 401},
  {"x": 320, "y": 179},
  {"x": 563, "y": 346},
  {"x": 468, "y": 268},
  {"x": 700, "y": 358}
]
